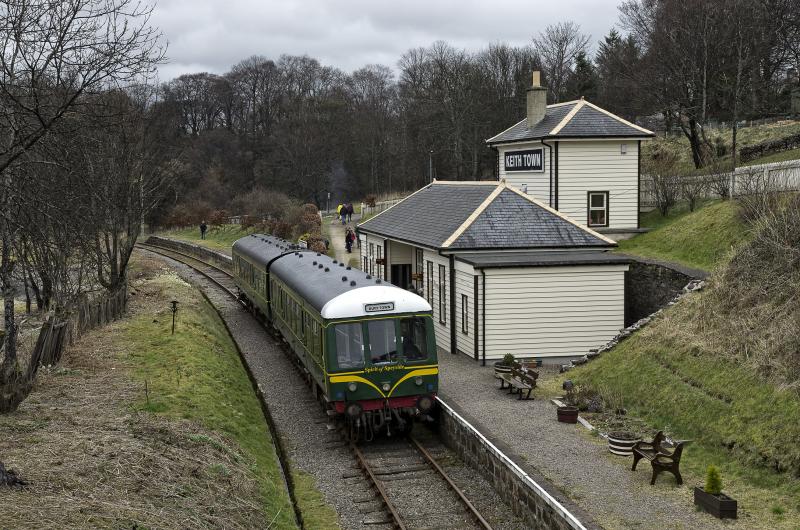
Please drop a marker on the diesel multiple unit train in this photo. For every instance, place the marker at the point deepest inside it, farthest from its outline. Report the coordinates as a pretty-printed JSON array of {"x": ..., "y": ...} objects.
[{"x": 367, "y": 346}]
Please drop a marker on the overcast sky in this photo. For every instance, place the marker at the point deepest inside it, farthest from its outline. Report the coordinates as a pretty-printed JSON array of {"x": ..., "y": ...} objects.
[{"x": 213, "y": 35}]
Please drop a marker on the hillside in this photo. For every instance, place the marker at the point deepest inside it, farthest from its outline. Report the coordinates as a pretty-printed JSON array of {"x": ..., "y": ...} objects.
[
  {"x": 701, "y": 239},
  {"x": 721, "y": 368},
  {"x": 679, "y": 145}
]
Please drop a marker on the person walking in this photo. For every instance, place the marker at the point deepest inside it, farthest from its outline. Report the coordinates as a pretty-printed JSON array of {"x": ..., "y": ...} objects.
[
  {"x": 349, "y": 212},
  {"x": 339, "y": 212},
  {"x": 203, "y": 228},
  {"x": 348, "y": 241}
]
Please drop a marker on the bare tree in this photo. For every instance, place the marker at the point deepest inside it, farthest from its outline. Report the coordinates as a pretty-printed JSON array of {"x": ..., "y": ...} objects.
[
  {"x": 558, "y": 46},
  {"x": 54, "y": 54}
]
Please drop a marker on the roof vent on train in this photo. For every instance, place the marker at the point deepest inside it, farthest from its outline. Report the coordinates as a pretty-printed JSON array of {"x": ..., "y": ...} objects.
[
  {"x": 335, "y": 261},
  {"x": 327, "y": 269},
  {"x": 314, "y": 263},
  {"x": 378, "y": 280},
  {"x": 341, "y": 264},
  {"x": 353, "y": 283},
  {"x": 344, "y": 278},
  {"x": 320, "y": 265},
  {"x": 369, "y": 277},
  {"x": 348, "y": 268}
]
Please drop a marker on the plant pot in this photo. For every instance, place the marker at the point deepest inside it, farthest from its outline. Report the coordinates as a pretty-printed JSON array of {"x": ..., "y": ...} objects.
[
  {"x": 621, "y": 443},
  {"x": 567, "y": 414},
  {"x": 720, "y": 506},
  {"x": 500, "y": 369}
]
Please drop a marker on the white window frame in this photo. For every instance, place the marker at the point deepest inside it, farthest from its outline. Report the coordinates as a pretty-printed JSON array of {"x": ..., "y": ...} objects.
[{"x": 590, "y": 208}]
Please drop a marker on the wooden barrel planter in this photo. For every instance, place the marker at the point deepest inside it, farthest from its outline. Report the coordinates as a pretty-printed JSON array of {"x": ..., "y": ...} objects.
[
  {"x": 621, "y": 443},
  {"x": 567, "y": 414}
]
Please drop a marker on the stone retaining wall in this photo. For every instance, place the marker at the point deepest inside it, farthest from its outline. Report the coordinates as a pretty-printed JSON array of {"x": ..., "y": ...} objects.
[
  {"x": 533, "y": 500},
  {"x": 649, "y": 287}
]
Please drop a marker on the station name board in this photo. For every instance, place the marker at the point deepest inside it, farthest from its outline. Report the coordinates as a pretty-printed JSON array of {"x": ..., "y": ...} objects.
[
  {"x": 378, "y": 308},
  {"x": 528, "y": 160}
]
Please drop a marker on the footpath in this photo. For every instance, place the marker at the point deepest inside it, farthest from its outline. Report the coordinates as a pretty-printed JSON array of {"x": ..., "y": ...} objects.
[
  {"x": 336, "y": 232},
  {"x": 577, "y": 464}
]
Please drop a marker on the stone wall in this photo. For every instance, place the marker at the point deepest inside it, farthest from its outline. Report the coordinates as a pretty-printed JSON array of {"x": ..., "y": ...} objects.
[
  {"x": 649, "y": 287},
  {"x": 530, "y": 497}
]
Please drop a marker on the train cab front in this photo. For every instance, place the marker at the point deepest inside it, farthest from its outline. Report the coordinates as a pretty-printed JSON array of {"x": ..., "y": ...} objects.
[{"x": 383, "y": 374}]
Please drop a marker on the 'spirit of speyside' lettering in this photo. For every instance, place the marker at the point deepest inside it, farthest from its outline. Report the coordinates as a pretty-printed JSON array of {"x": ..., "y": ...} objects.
[
  {"x": 379, "y": 307},
  {"x": 528, "y": 160}
]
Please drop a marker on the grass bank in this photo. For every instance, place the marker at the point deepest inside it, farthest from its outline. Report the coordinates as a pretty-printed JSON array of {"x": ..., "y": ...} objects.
[
  {"x": 218, "y": 238},
  {"x": 737, "y": 421},
  {"x": 701, "y": 239},
  {"x": 196, "y": 375}
]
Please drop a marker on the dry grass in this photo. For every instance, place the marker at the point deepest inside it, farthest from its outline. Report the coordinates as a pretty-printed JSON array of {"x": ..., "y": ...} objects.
[{"x": 92, "y": 460}]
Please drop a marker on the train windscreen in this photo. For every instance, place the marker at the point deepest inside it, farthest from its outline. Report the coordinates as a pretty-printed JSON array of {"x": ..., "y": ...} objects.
[
  {"x": 414, "y": 338},
  {"x": 349, "y": 346},
  {"x": 382, "y": 341}
]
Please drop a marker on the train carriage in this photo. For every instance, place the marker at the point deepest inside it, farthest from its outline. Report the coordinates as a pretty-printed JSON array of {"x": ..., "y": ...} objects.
[{"x": 368, "y": 345}]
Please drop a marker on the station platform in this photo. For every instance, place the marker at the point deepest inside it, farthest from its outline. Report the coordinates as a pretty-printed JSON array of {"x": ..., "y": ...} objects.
[{"x": 577, "y": 464}]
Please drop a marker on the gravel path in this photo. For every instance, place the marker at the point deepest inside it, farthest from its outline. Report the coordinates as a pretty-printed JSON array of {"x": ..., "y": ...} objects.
[
  {"x": 314, "y": 449},
  {"x": 580, "y": 466},
  {"x": 336, "y": 231}
]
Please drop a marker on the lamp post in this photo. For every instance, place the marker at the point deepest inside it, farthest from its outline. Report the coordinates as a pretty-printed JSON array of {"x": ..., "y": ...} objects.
[{"x": 174, "y": 310}]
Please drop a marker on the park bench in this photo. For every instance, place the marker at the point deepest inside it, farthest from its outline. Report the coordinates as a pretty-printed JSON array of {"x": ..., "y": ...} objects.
[
  {"x": 660, "y": 456},
  {"x": 519, "y": 380}
]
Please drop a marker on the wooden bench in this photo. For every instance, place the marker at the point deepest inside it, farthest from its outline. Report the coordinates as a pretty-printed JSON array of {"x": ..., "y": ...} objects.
[
  {"x": 661, "y": 458},
  {"x": 518, "y": 380}
]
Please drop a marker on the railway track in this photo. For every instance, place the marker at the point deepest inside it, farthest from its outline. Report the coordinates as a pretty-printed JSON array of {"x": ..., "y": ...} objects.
[{"x": 414, "y": 489}]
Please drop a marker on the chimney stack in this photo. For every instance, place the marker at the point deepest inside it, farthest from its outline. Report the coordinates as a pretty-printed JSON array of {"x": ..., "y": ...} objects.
[{"x": 537, "y": 100}]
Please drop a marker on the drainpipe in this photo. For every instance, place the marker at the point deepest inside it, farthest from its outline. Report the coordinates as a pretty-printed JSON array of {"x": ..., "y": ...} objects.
[
  {"x": 550, "y": 166},
  {"x": 483, "y": 316},
  {"x": 453, "y": 347}
]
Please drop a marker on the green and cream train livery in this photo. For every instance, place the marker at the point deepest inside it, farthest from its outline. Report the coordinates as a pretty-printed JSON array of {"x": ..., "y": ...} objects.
[{"x": 366, "y": 346}]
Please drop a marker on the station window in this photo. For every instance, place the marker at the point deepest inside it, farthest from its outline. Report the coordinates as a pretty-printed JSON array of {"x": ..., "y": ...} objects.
[
  {"x": 598, "y": 208},
  {"x": 442, "y": 292},
  {"x": 464, "y": 314},
  {"x": 430, "y": 282},
  {"x": 419, "y": 255},
  {"x": 349, "y": 346}
]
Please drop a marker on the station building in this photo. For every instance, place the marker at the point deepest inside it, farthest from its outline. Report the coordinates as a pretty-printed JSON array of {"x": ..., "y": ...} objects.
[
  {"x": 503, "y": 271},
  {"x": 578, "y": 158}
]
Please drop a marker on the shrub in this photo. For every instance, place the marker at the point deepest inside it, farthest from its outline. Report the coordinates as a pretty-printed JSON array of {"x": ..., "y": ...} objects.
[
  {"x": 508, "y": 359},
  {"x": 713, "y": 481},
  {"x": 218, "y": 218},
  {"x": 309, "y": 208},
  {"x": 282, "y": 229}
]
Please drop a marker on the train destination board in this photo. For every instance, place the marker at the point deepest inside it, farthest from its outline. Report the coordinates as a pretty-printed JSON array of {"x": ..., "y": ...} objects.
[{"x": 377, "y": 308}]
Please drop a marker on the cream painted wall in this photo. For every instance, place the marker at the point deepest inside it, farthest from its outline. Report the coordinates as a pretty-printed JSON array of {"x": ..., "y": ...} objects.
[
  {"x": 583, "y": 166},
  {"x": 553, "y": 311}
]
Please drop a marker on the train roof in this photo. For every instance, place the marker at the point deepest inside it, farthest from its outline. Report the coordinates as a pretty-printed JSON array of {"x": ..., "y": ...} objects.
[
  {"x": 333, "y": 288},
  {"x": 262, "y": 248}
]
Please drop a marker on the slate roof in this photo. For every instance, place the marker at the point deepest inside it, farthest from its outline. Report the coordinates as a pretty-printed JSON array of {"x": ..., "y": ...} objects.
[
  {"x": 429, "y": 216},
  {"x": 589, "y": 121},
  {"x": 513, "y": 221},
  {"x": 457, "y": 216},
  {"x": 539, "y": 258}
]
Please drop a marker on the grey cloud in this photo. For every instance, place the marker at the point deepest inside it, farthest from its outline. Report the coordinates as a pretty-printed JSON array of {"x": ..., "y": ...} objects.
[{"x": 212, "y": 35}]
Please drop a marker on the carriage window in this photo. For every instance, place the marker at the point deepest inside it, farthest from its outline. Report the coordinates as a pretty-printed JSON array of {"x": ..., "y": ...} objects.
[
  {"x": 414, "y": 337},
  {"x": 382, "y": 341},
  {"x": 349, "y": 346}
]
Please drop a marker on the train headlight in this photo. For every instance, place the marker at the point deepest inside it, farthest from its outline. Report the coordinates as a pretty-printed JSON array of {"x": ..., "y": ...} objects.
[
  {"x": 425, "y": 403},
  {"x": 418, "y": 381},
  {"x": 352, "y": 387},
  {"x": 354, "y": 410},
  {"x": 386, "y": 387}
]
